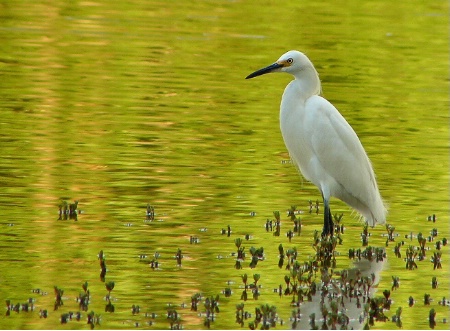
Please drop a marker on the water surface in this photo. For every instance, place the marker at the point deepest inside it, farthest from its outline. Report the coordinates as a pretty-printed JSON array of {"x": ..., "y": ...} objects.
[{"x": 122, "y": 105}]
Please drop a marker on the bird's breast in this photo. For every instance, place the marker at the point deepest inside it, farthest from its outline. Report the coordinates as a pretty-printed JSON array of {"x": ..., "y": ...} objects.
[{"x": 294, "y": 132}]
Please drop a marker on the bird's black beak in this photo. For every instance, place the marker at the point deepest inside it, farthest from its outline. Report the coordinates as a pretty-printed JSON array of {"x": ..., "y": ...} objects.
[{"x": 265, "y": 70}]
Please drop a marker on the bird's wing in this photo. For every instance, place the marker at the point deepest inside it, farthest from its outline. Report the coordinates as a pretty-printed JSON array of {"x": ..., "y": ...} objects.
[{"x": 338, "y": 150}]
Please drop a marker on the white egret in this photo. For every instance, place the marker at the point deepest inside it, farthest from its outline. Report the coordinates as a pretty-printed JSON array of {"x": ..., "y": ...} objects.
[{"x": 322, "y": 144}]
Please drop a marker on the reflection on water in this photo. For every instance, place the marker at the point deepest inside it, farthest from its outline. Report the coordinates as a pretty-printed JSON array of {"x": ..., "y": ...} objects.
[
  {"x": 121, "y": 106},
  {"x": 342, "y": 301}
]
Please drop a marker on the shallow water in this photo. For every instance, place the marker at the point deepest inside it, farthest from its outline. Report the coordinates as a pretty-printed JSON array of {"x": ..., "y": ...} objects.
[{"x": 122, "y": 105}]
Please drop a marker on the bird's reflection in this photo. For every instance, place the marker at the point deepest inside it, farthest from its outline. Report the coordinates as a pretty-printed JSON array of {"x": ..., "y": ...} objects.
[{"x": 341, "y": 301}]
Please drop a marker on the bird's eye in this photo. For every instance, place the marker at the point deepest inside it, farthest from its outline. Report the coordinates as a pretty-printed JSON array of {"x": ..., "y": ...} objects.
[{"x": 290, "y": 60}]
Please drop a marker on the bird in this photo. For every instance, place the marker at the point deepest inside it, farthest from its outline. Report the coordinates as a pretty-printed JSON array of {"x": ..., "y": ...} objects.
[{"x": 323, "y": 145}]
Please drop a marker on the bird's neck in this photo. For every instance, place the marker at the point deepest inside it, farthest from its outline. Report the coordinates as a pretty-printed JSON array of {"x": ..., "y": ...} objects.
[{"x": 308, "y": 82}]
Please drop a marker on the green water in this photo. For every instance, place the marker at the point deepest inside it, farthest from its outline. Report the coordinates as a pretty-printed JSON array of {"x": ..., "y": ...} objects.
[{"x": 118, "y": 105}]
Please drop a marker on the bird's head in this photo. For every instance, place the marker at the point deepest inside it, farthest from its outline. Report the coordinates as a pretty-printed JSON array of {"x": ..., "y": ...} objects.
[{"x": 292, "y": 62}]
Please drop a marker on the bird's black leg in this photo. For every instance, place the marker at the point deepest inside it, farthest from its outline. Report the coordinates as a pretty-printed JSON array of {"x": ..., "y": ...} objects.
[{"x": 328, "y": 225}]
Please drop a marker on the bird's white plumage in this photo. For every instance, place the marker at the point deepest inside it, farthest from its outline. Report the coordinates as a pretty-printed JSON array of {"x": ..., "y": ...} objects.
[{"x": 322, "y": 144}]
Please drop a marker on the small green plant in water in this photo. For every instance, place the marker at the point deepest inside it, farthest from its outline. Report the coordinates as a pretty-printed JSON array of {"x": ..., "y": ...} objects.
[
  {"x": 150, "y": 213},
  {"x": 432, "y": 318},
  {"x": 179, "y": 257},
  {"x": 411, "y": 255},
  {"x": 195, "y": 300},
  {"x": 84, "y": 298},
  {"x": 397, "y": 317},
  {"x": 436, "y": 260},
  {"x": 58, "y": 297},
  {"x": 276, "y": 214},
  {"x": 174, "y": 319}
]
